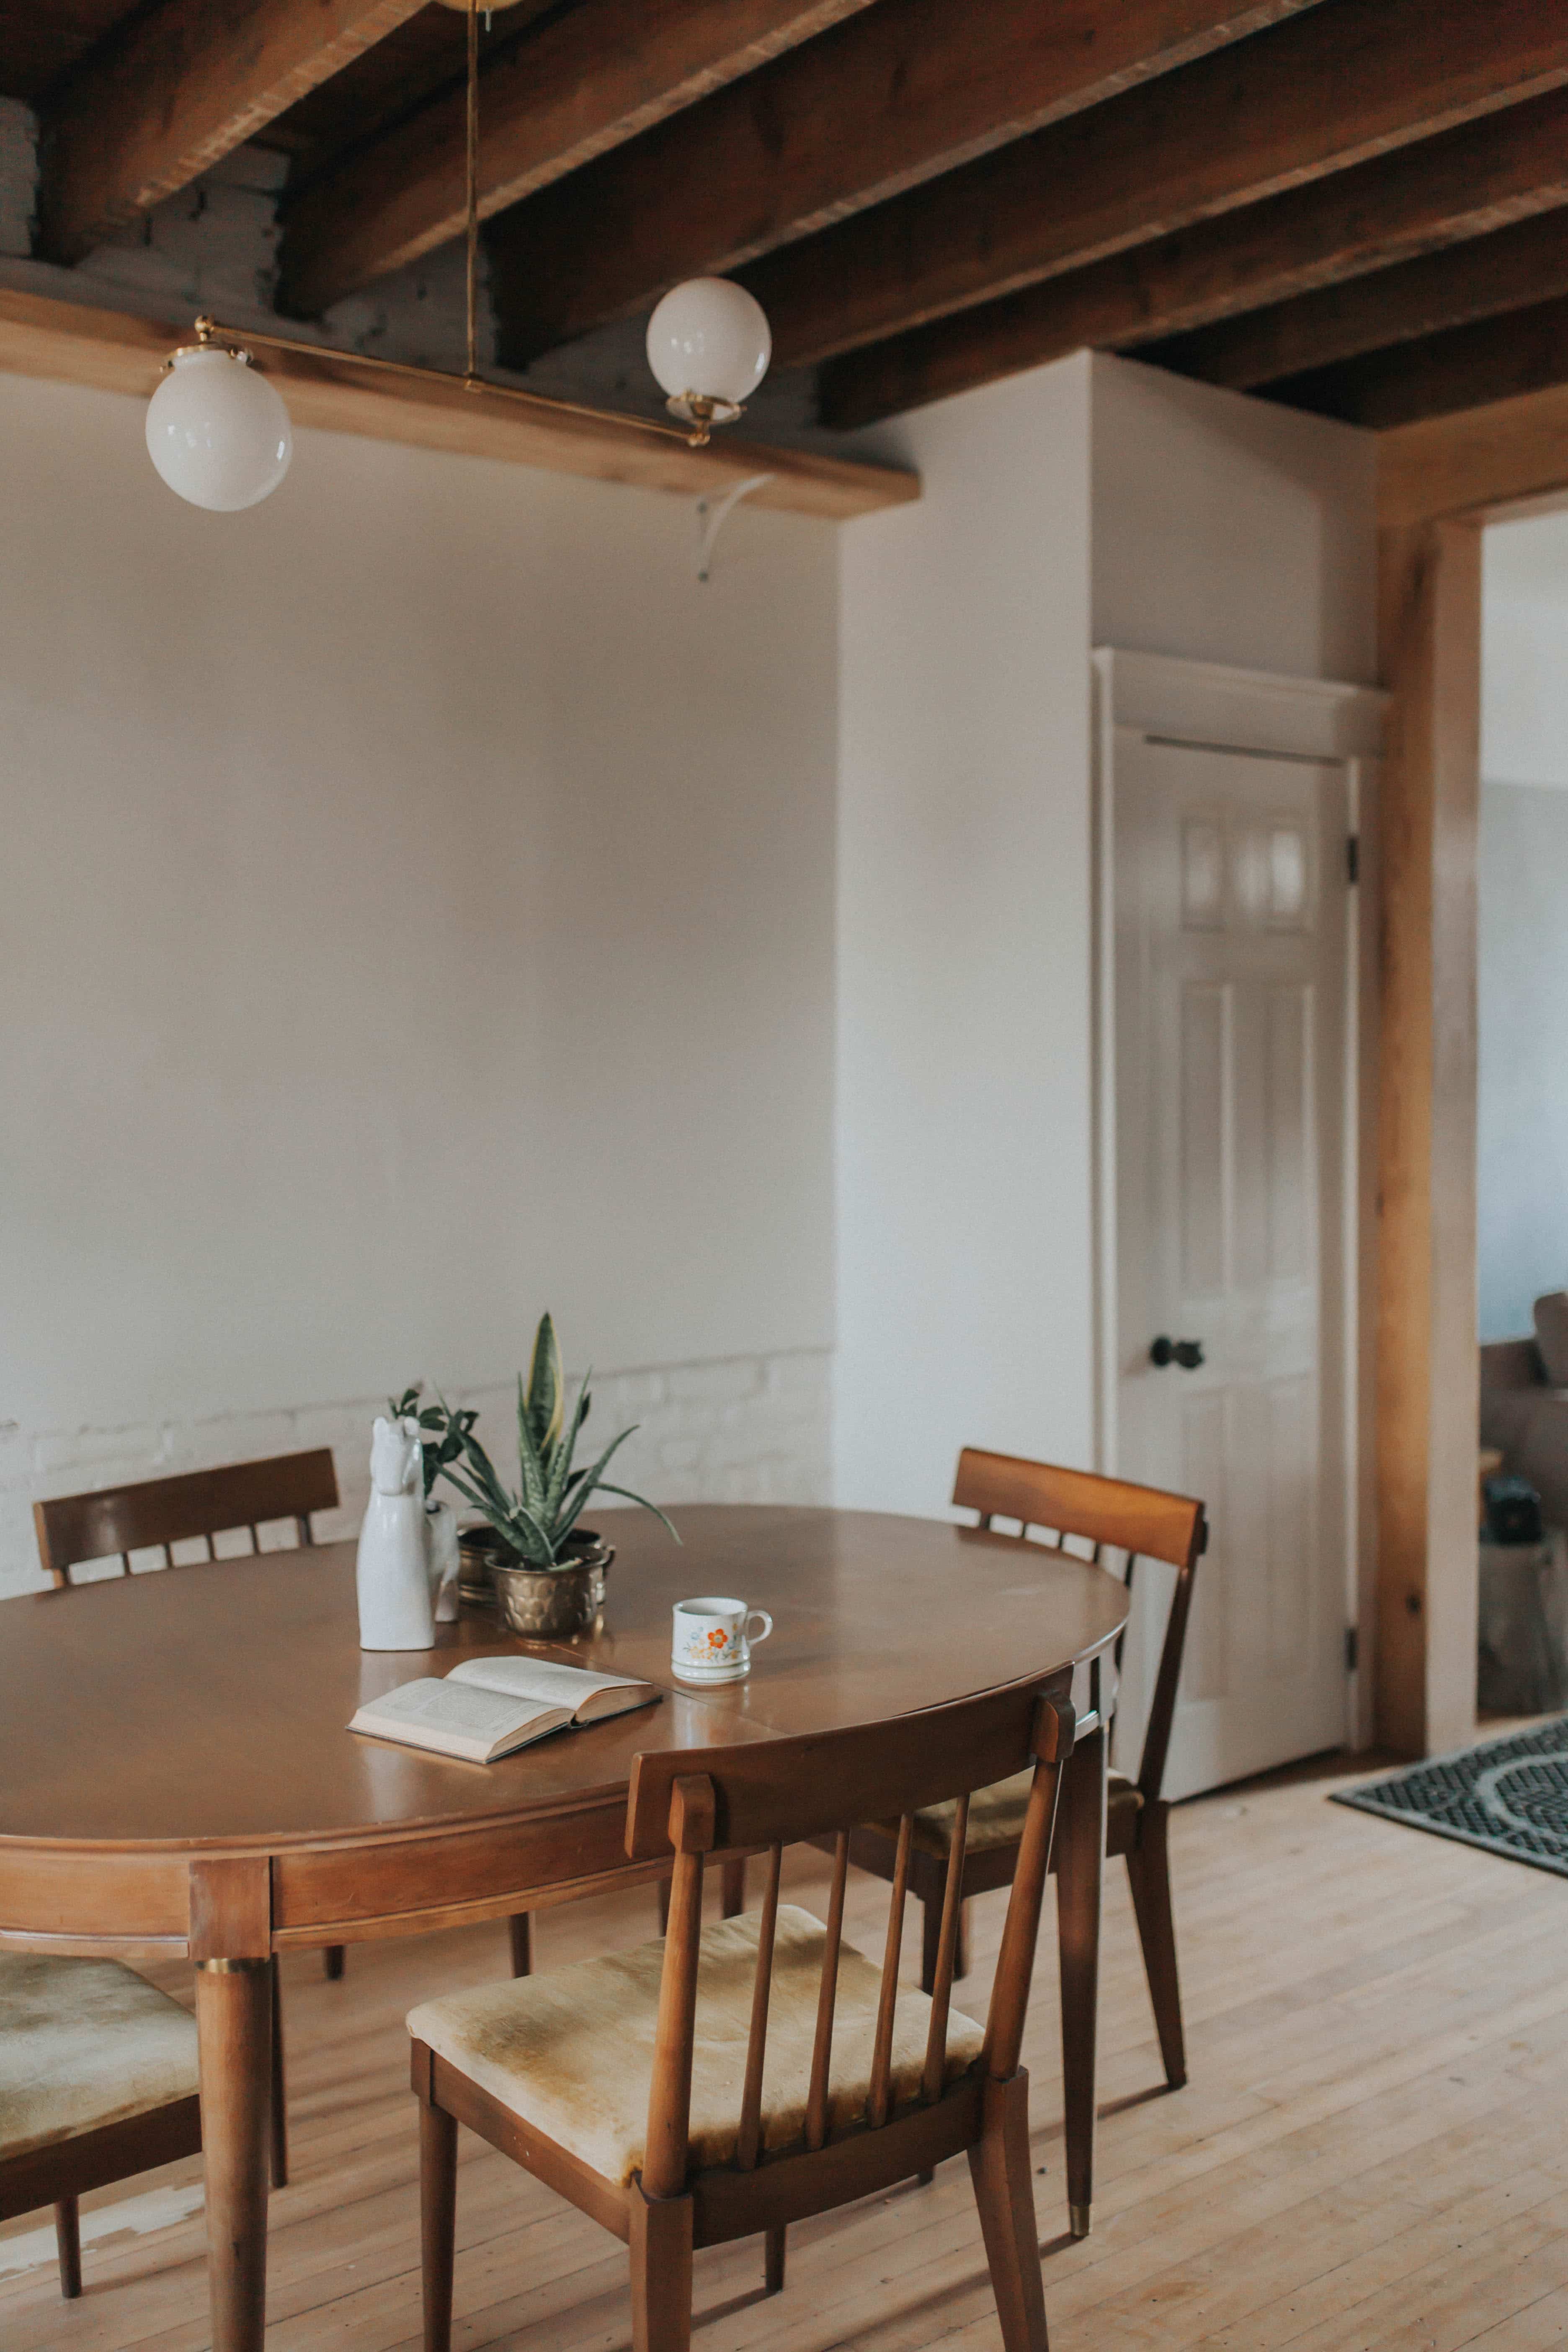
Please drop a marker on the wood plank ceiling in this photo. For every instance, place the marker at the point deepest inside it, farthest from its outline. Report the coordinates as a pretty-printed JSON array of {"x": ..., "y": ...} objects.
[{"x": 1358, "y": 207}]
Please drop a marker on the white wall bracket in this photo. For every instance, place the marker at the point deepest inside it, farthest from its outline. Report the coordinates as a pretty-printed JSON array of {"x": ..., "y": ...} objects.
[{"x": 712, "y": 516}]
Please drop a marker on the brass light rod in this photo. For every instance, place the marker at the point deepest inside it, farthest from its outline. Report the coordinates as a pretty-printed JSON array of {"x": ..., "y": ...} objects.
[{"x": 209, "y": 332}]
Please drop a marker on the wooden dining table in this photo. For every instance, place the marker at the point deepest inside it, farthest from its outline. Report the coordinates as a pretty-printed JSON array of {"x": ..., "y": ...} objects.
[{"x": 176, "y": 1777}]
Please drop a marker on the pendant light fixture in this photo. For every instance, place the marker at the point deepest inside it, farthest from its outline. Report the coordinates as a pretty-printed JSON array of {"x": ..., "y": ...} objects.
[{"x": 219, "y": 434}]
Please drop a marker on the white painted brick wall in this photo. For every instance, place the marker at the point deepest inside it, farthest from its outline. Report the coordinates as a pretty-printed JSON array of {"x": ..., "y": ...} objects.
[{"x": 747, "y": 1429}]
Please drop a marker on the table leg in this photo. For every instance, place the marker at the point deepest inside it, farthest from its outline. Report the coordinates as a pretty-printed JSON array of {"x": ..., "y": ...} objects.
[
  {"x": 1080, "y": 1869},
  {"x": 233, "y": 2027}
]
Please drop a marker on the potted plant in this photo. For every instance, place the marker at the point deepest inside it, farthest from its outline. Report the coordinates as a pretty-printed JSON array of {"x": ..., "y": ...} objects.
[{"x": 548, "y": 1569}]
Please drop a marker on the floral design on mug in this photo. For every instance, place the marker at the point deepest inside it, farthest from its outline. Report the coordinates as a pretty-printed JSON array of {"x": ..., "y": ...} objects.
[{"x": 718, "y": 1639}]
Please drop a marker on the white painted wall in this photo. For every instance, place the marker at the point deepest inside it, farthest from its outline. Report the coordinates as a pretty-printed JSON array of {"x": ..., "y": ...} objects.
[
  {"x": 1523, "y": 1171},
  {"x": 1094, "y": 501},
  {"x": 1229, "y": 529},
  {"x": 1524, "y": 651},
  {"x": 964, "y": 1305},
  {"x": 419, "y": 912}
]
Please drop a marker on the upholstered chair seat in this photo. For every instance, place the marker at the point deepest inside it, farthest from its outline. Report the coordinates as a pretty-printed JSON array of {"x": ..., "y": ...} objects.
[
  {"x": 84, "y": 2044},
  {"x": 571, "y": 2051},
  {"x": 996, "y": 1815}
]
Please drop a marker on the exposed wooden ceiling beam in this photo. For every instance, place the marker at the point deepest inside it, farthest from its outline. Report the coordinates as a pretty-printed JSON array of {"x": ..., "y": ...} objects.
[
  {"x": 69, "y": 342},
  {"x": 594, "y": 78},
  {"x": 1501, "y": 168},
  {"x": 1463, "y": 367},
  {"x": 1504, "y": 458},
  {"x": 1511, "y": 270},
  {"x": 909, "y": 89},
  {"x": 1349, "y": 79},
  {"x": 181, "y": 87}
]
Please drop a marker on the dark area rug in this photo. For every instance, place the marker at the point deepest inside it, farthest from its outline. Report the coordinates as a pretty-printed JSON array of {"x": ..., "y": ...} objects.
[{"x": 1508, "y": 1795}]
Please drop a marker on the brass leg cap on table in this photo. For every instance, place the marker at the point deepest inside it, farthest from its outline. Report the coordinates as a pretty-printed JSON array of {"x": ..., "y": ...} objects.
[{"x": 1078, "y": 2220}]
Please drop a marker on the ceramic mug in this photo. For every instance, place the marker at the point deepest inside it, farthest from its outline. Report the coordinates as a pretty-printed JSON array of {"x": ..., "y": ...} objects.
[{"x": 713, "y": 1638}]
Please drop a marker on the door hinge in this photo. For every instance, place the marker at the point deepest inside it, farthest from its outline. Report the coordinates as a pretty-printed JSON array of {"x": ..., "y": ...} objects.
[
  {"x": 1352, "y": 858},
  {"x": 1352, "y": 1648}
]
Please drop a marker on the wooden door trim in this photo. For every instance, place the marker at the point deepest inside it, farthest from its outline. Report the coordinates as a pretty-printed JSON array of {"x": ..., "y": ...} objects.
[{"x": 1439, "y": 481}]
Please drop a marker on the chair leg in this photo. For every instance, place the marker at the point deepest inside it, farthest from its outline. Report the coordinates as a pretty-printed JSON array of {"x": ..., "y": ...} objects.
[
  {"x": 437, "y": 2220},
  {"x": 733, "y": 1886},
  {"x": 663, "y": 1891},
  {"x": 773, "y": 2260},
  {"x": 332, "y": 1963},
  {"x": 67, "y": 2239},
  {"x": 661, "y": 2273},
  {"x": 521, "y": 1926},
  {"x": 1149, "y": 1875},
  {"x": 277, "y": 2118},
  {"x": 1004, "y": 2190},
  {"x": 1081, "y": 1866}
]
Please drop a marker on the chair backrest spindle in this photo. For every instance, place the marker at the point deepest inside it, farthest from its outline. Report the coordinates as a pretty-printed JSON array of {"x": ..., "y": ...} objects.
[
  {"x": 946, "y": 1952},
  {"x": 749, "y": 2143},
  {"x": 888, "y": 2001},
  {"x": 828, "y": 1993},
  {"x": 1015, "y": 1960},
  {"x": 669, "y": 2103}
]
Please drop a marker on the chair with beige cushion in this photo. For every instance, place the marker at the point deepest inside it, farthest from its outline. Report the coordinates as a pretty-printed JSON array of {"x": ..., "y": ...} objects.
[
  {"x": 98, "y": 2081},
  {"x": 1074, "y": 1506},
  {"x": 727, "y": 2081},
  {"x": 192, "y": 1508}
]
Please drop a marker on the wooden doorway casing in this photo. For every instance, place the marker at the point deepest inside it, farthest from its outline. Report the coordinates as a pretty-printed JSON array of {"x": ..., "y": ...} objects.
[{"x": 1440, "y": 482}]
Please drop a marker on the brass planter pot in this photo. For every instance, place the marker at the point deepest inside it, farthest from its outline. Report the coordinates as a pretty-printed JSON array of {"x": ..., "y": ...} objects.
[
  {"x": 476, "y": 1549},
  {"x": 550, "y": 1604}
]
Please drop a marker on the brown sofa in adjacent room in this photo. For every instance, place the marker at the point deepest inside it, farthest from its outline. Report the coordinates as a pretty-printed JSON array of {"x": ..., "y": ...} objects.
[{"x": 1524, "y": 1406}]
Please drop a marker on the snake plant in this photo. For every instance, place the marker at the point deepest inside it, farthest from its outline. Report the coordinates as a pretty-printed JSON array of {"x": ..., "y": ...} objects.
[{"x": 537, "y": 1521}]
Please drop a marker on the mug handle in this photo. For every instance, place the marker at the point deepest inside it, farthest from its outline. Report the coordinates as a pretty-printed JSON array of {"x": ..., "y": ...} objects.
[{"x": 747, "y": 1635}]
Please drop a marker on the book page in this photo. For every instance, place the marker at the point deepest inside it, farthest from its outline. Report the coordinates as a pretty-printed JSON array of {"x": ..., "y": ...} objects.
[
  {"x": 458, "y": 1709},
  {"x": 551, "y": 1685}
]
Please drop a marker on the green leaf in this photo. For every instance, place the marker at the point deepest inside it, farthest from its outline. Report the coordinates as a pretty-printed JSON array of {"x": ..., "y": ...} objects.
[
  {"x": 561, "y": 1466},
  {"x": 606, "y": 1487},
  {"x": 546, "y": 1385},
  {"x": 534, "y": 1480}
]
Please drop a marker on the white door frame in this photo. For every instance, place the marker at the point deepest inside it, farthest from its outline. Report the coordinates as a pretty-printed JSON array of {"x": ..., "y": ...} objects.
[{"x": 1211, "y": 705}]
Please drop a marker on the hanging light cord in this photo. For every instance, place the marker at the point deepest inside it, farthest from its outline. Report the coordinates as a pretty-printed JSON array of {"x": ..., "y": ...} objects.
[{"x": 471, "y": 377}]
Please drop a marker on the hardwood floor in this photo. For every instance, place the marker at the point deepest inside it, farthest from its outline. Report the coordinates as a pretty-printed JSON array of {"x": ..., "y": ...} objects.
[{"x": 1372, "y": 2150}]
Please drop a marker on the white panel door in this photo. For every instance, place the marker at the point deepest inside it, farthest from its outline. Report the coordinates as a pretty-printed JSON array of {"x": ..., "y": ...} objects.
[{"x": 1230, "y": 896}]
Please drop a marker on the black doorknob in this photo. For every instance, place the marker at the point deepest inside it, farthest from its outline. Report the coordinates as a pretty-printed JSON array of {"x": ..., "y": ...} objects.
[{"x": 1188, "y": 1353}]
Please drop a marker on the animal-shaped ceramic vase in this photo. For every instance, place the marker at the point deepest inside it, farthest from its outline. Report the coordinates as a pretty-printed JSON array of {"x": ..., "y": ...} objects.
[
  {"x": 441, "y": 1533},
  {"x": 394, "y": 1571}
]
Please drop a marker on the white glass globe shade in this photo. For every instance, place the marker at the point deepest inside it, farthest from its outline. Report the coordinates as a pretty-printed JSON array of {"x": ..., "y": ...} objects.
[
  {"x": 709, "y": 337},
  {"x": 218, "y": 433}
]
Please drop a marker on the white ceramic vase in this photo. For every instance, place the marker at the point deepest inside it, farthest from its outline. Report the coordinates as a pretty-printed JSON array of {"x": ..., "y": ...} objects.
[
  {"x": 392, "y": 1578},
  {"x": 441, "y": 1535}
]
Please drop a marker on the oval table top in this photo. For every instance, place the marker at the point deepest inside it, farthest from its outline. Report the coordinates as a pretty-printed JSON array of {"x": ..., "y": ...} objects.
[{"x": 203, "y": 1706}]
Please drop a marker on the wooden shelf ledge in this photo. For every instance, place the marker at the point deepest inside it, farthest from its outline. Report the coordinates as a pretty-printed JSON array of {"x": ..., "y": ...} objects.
[{"x": 70, "y": 343}]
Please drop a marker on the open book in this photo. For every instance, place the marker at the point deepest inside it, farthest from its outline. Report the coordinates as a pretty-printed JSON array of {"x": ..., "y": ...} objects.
[{"x": 487, "y": 1706}]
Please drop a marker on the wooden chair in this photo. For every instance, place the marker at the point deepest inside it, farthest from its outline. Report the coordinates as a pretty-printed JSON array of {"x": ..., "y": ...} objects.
[
  {"x": 1144, "y": 1523},
  {"x": 621, "y": 2082},
  {"x": 193, "y": 1508},
  {"x": 98, "y": 2081}
]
